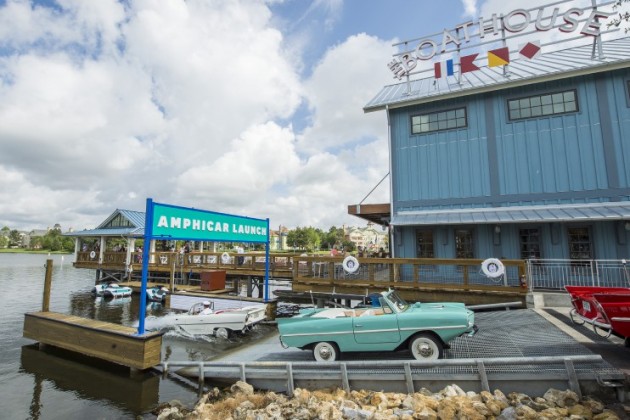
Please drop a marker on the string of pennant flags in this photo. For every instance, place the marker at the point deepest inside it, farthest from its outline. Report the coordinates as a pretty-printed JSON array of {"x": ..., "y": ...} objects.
[{"x": 497, "y": 57}]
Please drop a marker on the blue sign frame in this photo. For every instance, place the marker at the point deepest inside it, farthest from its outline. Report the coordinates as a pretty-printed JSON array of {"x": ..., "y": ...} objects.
[{"x": 166, "y": 221}]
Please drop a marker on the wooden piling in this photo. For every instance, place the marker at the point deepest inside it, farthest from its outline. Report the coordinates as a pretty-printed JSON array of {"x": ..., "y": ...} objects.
[{"x": 47, "y": 283}]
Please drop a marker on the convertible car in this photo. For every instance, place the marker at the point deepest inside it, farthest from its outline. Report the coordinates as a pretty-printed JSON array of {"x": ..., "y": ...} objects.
[{"x": 388, "y": 324}]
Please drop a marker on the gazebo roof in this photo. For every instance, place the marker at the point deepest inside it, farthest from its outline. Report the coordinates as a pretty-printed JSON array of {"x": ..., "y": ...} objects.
[{"x": 126, "y": 223}]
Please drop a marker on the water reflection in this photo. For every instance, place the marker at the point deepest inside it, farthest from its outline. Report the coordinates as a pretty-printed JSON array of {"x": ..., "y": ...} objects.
[{"x": 88, "y": 379}]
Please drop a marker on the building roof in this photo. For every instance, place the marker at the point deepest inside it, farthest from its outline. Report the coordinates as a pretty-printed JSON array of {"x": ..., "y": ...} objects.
[
  {"x": 135, "y": 218},
  {"x": 525, "y": 214},
  {"x": 554, "y": 65}
]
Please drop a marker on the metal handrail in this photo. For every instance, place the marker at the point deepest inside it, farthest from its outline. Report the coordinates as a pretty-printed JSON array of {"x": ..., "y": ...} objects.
[{"x": 399, "y": 370}]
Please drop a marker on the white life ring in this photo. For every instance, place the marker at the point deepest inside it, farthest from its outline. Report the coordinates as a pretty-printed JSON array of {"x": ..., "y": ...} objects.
[
  {"x": 493, "y": 268},
  {"x": 92, "y": 254},
  {"x": 350, "y": 264},
  {"x": 225, "y": 258}
]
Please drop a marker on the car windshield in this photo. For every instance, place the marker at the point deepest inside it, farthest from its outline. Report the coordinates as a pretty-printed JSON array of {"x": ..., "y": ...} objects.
[{"x": 399, "y": 303}]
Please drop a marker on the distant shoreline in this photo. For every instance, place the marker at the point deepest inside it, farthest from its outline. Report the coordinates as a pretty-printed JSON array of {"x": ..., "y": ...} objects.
[{"x": 31, "y": 251}]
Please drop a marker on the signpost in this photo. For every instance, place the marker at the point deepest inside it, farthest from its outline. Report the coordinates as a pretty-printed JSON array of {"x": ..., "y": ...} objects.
[{"x": 169, "y": 222}]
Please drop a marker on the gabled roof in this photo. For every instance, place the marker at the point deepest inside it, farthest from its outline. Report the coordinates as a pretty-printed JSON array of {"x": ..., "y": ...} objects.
[
  {"x": 554, "y": 65},
  {"x": 135, "y": 219}
]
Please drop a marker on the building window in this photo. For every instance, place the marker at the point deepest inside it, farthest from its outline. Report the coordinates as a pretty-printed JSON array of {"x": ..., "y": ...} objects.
[
  {"x": 530, "y": 243},
  {"x": 464, "y": 244},
  {"x": 118, "y": 222},
  {"x": 424, "y": 244},
  {"x": 438, "y": 121},
  {"x": 543, "y": 105},
  {"x": 580, "y": 246}
]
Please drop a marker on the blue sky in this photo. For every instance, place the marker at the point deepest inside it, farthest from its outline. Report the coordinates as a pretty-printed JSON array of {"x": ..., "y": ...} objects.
[{"x": 244, "y": 107}]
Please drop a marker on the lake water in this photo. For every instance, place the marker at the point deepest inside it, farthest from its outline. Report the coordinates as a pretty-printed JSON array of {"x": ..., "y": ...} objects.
[{"x": 52, "y": 384}]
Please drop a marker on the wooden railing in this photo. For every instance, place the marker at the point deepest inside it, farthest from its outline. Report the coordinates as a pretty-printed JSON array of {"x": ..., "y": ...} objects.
[
  {"x": 409, "y": 273},
  {"x": 401, "y": 273}
]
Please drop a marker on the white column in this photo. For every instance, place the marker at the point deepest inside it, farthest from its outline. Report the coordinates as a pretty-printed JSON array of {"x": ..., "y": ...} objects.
[
  {"x": 102, "y": 249},
  {"x": 151, "y": 250}
]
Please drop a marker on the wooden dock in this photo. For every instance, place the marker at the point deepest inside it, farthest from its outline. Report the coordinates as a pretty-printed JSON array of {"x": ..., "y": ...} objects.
[{"x": 111, "y": 342}]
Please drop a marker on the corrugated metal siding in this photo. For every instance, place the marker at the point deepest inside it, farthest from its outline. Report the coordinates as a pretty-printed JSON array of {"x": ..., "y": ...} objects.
[
  {"x": 443, "y": 164},
  {"x": 619, "y": 104},
  {"x": 551, "y": 154}
]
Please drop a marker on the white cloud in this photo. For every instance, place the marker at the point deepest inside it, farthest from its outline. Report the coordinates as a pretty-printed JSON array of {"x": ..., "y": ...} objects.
[
  {"x": 349, "y": 75},
  {"x": 470, "y": 8},
  {"x": 187, "y": 102}
]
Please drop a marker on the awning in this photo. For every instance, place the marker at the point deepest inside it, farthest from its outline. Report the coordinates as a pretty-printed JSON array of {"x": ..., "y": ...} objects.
[
  {"x": 529, "y": 214},
  {"x": 375, "y": 213}
]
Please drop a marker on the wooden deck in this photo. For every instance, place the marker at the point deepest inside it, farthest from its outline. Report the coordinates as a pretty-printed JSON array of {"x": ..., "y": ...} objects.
[
  {"x": 112, "y": 342},
  {"x": 418, "y": 279}
]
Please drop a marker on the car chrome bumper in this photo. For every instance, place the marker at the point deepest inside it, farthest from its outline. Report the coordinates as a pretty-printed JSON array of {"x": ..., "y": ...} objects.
[{"x": 474, "y": 331}]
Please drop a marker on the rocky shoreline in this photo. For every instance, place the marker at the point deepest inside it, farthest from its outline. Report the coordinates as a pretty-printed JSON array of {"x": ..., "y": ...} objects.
[{"x": 241, "y": 402}]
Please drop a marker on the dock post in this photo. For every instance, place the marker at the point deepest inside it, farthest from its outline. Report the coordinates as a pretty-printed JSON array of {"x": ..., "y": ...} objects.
[
  {"x": 47, "y": 282},
  {"x": 249, "y": 286}
]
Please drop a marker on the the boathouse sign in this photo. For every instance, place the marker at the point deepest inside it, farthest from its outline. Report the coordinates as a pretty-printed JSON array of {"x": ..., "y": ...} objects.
[
  {"x": 192, "y": 224},
  {"x": 496, "y": 29}
]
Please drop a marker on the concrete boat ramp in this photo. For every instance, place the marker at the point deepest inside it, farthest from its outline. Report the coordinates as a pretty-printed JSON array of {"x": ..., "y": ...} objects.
[{"x": 528, "y": 350}]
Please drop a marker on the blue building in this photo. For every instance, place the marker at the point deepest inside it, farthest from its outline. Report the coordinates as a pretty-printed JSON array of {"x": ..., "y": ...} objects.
[{"x": 529, "y": 160}]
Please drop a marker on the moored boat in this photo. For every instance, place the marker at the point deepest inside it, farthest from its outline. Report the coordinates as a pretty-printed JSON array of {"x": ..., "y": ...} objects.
[
  {"x": 114, "y": 290},
  {"x": 157, "y": 294}
]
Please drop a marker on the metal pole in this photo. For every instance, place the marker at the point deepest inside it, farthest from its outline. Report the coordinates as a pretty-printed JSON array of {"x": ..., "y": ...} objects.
[
  {"x": 266, "y": 293},
  {"x": 148, "y": 233}
]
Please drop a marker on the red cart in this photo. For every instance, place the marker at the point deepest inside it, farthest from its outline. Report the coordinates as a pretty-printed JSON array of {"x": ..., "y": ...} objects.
[{"x": 607, "y": 309}]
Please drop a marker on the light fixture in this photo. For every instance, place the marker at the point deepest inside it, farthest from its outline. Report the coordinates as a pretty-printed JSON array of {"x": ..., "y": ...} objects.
[
  {"x": 627, "y": 226},
  {"x": 497, "y": 229}
]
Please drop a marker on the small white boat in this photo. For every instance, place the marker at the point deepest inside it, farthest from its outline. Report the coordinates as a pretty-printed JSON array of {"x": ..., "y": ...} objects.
[
  {"x": 221, "y": 323},
  {"x": 157, "y": 294},
  {"x": 98, "y": 289},
  {"x": 114, "y": 290}
]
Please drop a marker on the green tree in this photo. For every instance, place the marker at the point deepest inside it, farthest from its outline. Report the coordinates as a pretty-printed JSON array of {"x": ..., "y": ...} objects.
[
  {"x": 14, "y": 238},
  {"x": 334, "y": 237},
  {"x": 4, "y": 241},
  {"x": 622, "y": 15}
]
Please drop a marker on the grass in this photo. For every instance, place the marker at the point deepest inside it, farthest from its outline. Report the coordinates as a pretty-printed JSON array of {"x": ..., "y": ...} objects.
[{"x": 30, "y": 251}]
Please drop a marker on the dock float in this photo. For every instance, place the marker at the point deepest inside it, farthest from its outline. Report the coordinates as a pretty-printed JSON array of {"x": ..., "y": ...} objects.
[{"x": 111, "y": 342}]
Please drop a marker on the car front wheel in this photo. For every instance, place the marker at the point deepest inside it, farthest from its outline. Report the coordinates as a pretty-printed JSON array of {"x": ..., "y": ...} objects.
[
  {"x": 425, "y": 347},
  {"x": 222, "y": 333},
  {"x": 325, "y": 352}
]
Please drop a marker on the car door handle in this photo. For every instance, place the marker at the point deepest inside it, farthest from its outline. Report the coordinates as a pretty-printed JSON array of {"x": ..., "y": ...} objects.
[{"x": 358, "y": 325}]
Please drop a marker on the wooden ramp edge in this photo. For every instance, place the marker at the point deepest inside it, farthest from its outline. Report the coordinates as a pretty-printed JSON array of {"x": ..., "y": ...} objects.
[{"x": 103, "y": 340}]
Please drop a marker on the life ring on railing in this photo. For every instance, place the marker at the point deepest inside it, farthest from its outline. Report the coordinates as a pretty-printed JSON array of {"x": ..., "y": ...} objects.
[
  {"x": 92, "y": 255},
  {"x": 493, "y": 268},
  {"x": 225, "y": 258},
  {"x": 350, "y": 264}
]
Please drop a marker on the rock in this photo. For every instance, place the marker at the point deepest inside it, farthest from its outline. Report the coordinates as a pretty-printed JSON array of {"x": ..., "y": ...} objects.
[
  {"x": 580, "y": 410},
  {"x": 242, "y": 387},
  {"x": 561, "y": 398},
  {"x": 595, "y": 406},
  {"x": 447, "y": 409},
  {"x": 606, "y": 415},
  {"x": 426, "y": 414},
  {"x": 379, "y": 400},
  {"x": 508, "y": 413},
  {"x": 243, "y": 403},
  {"x": 171, "y": 413},
  {"x": 501, "y": 398}
]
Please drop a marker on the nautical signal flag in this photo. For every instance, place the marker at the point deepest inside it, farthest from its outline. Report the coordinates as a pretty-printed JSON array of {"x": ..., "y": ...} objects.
[
  {"x": 443, "y": 68},
  {"x": 530, "y": 50},
  {"x": 466, "y": 63},
  {"x": 499, "y": 57}
]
